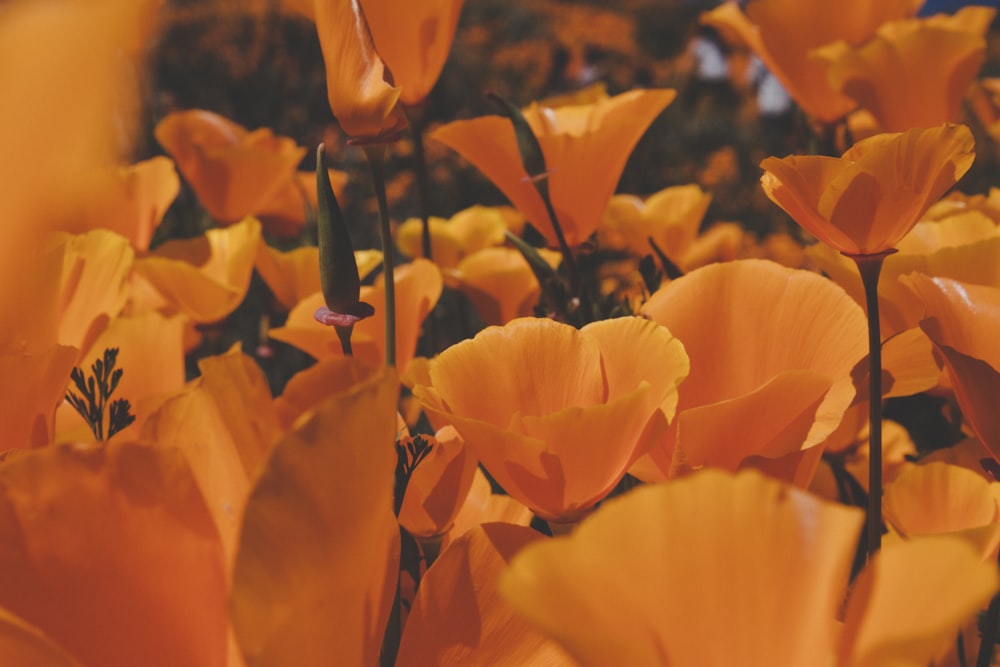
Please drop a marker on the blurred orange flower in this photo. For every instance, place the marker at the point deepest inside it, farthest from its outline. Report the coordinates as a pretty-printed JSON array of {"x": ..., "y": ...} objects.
[
  {"x": 414, "y": 39},
  {"x": 744, "y": 537},
  {"x": 784, "y": 33},
  {"x": 129, "y": 200},
  {"x": 671, "y": 217},
  {"x": 235, "y": 173},
  {"x": 557, "y": 415},
  {"x": 466, "y": 232},
  {"x": 499, "y": 282},
  {"x": 83, "y": 525},
  {"x": 865, "y": 201},
  {"x": 585, "y": 148},
  {"x": 914, "y": 73},
  {"x": 360, "y": 89}
]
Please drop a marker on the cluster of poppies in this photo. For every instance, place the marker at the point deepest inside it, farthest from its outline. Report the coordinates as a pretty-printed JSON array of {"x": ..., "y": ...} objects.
[{"x": 663, "y": 446}]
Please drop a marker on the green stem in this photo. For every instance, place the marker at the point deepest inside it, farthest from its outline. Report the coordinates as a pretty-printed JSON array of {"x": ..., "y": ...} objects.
[
  {"x": 423, "y": 183},
  {"x": 422, "y": 176},
  {"x": 870, "y": 266},
  {"x": 376, "y": 161},
  {"x": 568, "y": 259},
  {"x": 344, "y": 334}
]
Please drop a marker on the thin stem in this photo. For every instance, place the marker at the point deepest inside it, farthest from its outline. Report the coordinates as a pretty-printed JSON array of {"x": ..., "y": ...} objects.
[
  {"x": 870, "y": 266},
  {"x": 376, "y": 161},
  {"x": 423, "y": 183},
  {"x": 344, "y": 334},
  {"x": 568, "y": 259},
  {"x": 422, "y": 176}
]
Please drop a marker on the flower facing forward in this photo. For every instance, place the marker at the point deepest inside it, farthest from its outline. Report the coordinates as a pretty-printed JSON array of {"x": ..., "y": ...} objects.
[
  {"x": 557, "y": 415},
  {"x": 585, "y": 148},
  {"x": 865, "y": 201},
  {"x": 359, "y": 87}
]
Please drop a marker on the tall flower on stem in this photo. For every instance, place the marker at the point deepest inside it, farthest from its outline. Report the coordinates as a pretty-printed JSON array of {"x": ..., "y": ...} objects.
[
  {"x": 415, "y": 40},
  {"x": 366, "y": 103},
  {"x": 862, "y": 204}
]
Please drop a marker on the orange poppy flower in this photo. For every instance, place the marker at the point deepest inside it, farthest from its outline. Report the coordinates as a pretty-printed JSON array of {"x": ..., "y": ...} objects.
[
  {"x": 963, "y": 321},
  {"x": 865, "y": 201},
  {"x": 648, "y": 602},
  {"x": 914, "y": 73},
  {"x": 786, "y": 396},
  {"x": 564, "y": 412},
  {"x": 500, "y": 283},
  {"x": 205, "y": 277},
  {"x": 235, "y": 173},
  {"x": 414, "y": 40},
  {"x": 585, "y": 148},
  {"x": 940, "y": 498},
  {"x": 359, "y": 87},
  {"x": 458, "y": 617},
  {"x": 671, "y": 217},
  {"x": 439, "y": 486},
  {"x": 961, "y": 247},
  {"x": 783, "y": 33},
  {"x": 466, "y": 232}
]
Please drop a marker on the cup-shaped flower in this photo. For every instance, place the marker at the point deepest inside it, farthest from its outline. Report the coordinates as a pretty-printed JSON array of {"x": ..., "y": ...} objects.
[
  {"x": 771, "y": 352},
  {"x": 359, "y": 86},
  {"x": 414, "y": 39},
  {"x": 585, "y": 148},
  {"x": 234, "y": 172},
  {"x": 914, "y": 73},
  {"x": 784, "y": 32},
  {"x": 465, "y": 233},
  {"x": 865, "y": 201},
  {"x": 557, "y": 415}
]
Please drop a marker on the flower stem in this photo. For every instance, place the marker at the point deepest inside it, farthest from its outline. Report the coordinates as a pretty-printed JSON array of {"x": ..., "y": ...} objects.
[
  {"x": 424, "y": 208},
  {"x": 376, "y": 162},
  {"x": 870, "y": 267}
]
